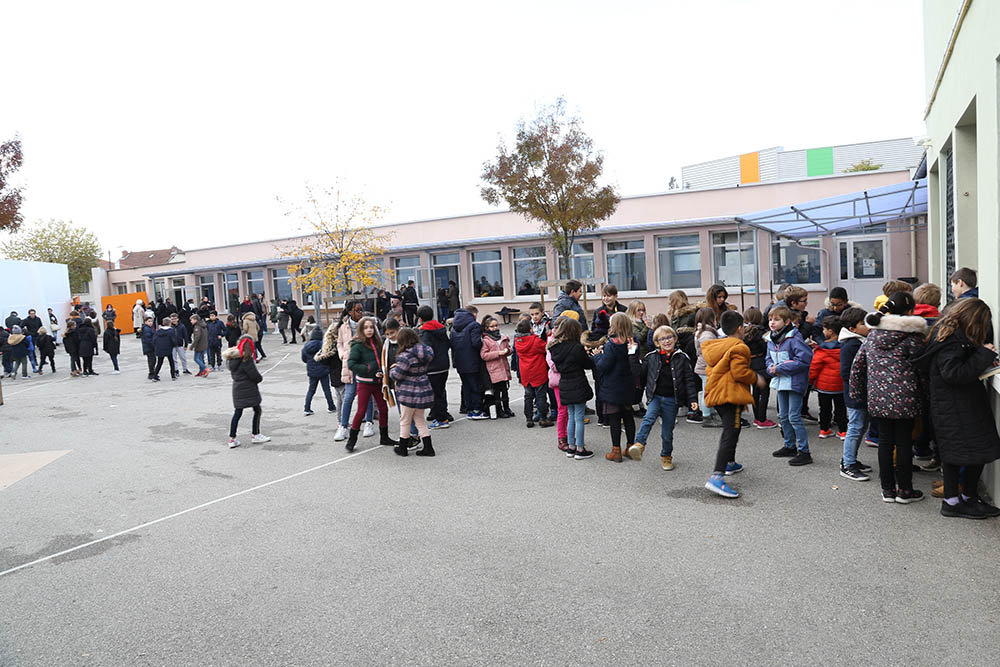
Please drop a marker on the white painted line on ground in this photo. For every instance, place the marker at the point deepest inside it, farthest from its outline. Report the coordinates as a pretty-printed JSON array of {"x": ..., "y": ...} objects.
[
  {"x": 275, "y": 365},
  {"x": 37, "y": 385},
  {"x": 186, "y": 511}
]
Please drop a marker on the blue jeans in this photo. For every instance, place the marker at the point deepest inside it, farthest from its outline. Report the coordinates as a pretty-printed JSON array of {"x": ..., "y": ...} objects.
[
  {"x": 574, "y": 424},
  {"x": 857, "y": 424},
  {"x": 664, "y": 407},
  {"x": 790, "y": 417},
  {"x": 705, "y": 410},
  {"x": 199, "y": 358},
  {"x": 350, "y": 391},
  {"x": 324, "y": 382}
]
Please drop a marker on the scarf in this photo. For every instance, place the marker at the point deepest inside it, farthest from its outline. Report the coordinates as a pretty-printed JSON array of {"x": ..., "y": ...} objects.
[
  {"x": 780, "y": 335},
  {"x": 495, "y": 335}
]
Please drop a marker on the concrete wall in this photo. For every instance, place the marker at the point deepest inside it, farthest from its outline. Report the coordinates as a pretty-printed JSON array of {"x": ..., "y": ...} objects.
[{"x": 963, "y": 120}]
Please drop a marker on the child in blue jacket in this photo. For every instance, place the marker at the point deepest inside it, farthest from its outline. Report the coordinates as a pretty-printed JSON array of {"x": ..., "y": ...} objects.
[{"x": 788, "y": 359}]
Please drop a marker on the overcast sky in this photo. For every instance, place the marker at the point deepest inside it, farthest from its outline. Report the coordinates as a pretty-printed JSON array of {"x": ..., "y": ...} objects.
[{"x": 159, "y": 124}]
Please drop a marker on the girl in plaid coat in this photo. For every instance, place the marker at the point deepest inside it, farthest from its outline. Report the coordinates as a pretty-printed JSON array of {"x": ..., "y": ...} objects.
[{"x": 413, "y": 389}]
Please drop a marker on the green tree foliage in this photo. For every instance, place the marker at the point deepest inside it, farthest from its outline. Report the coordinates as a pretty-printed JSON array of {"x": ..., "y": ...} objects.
[
  {"x": 60, "y": 242},
  {"x": 863, "y": 165},
  {"x": 551, "y": 176},
  {"x": 10, "y": 195}
]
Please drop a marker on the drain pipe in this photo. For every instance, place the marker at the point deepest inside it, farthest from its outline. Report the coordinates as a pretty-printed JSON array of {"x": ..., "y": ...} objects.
[{"x": 947, "y": 56}]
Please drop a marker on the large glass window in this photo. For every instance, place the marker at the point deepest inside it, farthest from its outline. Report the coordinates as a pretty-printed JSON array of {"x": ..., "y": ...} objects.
[
  {"x": 178, "y": 290},
  {"x": 529, "y": 268},
  {"x": 795, "y": 265},
  {"x": 407, "y": 269},
  {"x": 680, "y": 261},
  {"x": 232, "y": 283},
  {"x": 282, "y": 288},
  {"x": 487, "y": 274},
  {"x": 627, "y": 265},
  {"x": 121, "y": 288},
  {"x": 582, "y": 260},
  {"x": 255, "y": 282},
  {"x": 207, "y": 284},
  {"x": 159, "y": 289},
  {"x": 445, "y": 270},
  {"x": 139, "y": 287},
  {"x": 726, "y": 258}
]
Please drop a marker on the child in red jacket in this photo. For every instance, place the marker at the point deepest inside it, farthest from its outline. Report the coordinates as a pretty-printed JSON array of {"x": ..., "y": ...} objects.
[
  {"x": 534, "y": 373},
  {"x": 824, "y": 375}
]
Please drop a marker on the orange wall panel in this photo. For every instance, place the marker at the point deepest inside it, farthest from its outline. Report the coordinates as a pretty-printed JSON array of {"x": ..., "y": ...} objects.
[
  {"x": 749, "y": 168},
  {"x": 123, "y": 305}
]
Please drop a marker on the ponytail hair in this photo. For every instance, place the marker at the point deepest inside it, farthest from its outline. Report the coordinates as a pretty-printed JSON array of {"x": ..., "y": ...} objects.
[{"x": 899, "y": 303}]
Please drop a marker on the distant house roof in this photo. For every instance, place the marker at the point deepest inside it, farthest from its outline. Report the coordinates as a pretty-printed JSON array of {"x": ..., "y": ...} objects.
[
  {"x": 143, "y": 258},
  {"x": 105, "y": 264}
]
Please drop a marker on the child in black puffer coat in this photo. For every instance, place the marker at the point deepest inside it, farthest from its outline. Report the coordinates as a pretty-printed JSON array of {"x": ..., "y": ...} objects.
[{"x": 885, "y": 378}]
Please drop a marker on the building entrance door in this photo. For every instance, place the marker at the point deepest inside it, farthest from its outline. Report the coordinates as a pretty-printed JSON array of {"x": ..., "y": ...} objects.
[{"x": 863, "y": 267}]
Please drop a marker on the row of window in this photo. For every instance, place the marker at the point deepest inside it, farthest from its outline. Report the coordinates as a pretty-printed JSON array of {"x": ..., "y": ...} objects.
[{"x": 678, "y": 260}]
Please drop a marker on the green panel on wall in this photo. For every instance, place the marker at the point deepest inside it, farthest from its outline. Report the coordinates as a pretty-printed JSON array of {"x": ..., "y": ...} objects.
[{"x": 819, "y": 161}]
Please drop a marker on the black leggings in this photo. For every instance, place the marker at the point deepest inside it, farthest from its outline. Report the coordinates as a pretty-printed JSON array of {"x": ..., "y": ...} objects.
[
  {"x": 51, "y": 358},
  {"x": 761, "y": 397},
  {"x": 237, "y": 413},
  {"x": 832, "y": 412},
  {"x": 88, "y": 364},
  {"x": 968, "y": 476},
  {"x": 730, "y": 415},
  {"x": 622, "y": 417},
  {"x": 501, "y": 397},
  {"x": 895, "y": 434},
  {"x": 74, "y": 362},
  {"x": 151, "y": 363}
]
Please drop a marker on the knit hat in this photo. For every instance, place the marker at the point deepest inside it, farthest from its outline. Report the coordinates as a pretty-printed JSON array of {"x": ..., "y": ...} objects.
[{"x": 15, "y": 329}]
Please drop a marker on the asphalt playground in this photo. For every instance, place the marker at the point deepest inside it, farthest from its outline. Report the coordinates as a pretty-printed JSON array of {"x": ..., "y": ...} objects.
[{"x": 131, "y": 535}]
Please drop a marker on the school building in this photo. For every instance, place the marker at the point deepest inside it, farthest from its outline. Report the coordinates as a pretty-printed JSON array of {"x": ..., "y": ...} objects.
[
  {"x": 962, "y": 74},
  {"x": 687, "y": 238}
]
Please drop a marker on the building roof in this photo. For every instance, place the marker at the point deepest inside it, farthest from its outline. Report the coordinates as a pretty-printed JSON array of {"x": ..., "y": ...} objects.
[{"x": 143, "y": 258}]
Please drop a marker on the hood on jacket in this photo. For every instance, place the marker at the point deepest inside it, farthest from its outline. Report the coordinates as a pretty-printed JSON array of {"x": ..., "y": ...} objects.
[
  {"x": 431, "y": 326},
  {"x": 316, "y": 334},
  {"x": 926, "y": 310},
  {"x": 15, "y": 338},
  {"x": 329, "y": 342},
  {"x": 850, "y": 304},
  {"x": 422, "y": 353},
  {"x": 716, "y": 350},
  {"x": 847, "y": 334},
  {"x": 236, "y": 351},
  {"x": 462, "y": 320},
  {"x": 684, "y": 311},
  {"x": 829, "y": 345},
  {"x": 590, "y": 341},
  {"x": 893, "y": 328},
  {"x": 249, "y": 316}
]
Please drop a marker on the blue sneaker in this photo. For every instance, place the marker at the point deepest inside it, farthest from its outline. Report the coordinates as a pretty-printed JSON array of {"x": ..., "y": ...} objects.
[
  {"x": 733, "y": 468},
  {"x": 435, "y": 424},
  {"x": 477, "y": 414},
  {"x": 717, "y": 484}
]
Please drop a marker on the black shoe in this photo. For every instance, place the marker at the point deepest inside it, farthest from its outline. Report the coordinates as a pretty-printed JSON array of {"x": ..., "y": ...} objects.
[
  {"x": 863, "y": 467},
  {"x": 984, "y": 507},
  {"x": 400, "y": 449},
  {"x": 155, "y": 379},
  {"x": 352, "y": 439},
  {"x": 801, "y": 459},
  {"x": 784, "y": 452},
  {"x": 808, "y": 418},
  {"x": 545, "y": 423},
  {"x": 962, "y": 510},
  {"x": 744, "y": 423},
  {"x": 852, "y": 472},
  {"x": 907, "y": 496},
  {"x": 384, "y": 438},
  {"x": 529, "y": 424},
  {"x": 694, "y": 417},
  {"x": 888, "y": 495},
  {"x": 187, "y": 372},
  {"x": 427, "y": 449}
]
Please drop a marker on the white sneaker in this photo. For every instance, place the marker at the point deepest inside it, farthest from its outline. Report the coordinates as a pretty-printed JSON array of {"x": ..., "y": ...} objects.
[
  {"x": 233, "y": 442},
  {"x": 341, "y": 434},
  {"x": 259, "y": 438},
  {"x": 116, "y": 372},
  {"x": 367, "y": 430}
]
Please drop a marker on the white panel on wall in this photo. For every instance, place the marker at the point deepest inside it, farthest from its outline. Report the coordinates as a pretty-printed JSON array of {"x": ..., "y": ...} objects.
[{"x": 38, "y": 285}]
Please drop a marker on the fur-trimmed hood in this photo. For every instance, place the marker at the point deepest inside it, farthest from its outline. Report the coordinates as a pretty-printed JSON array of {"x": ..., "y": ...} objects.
[
  {"x": 249, "y": 316},
  {"x": 236, "y": 351},
  {"x": 901, "y": 323},
  {"x": 329, "y": 347},
  {"x": 588, "y": 343},
  {"x": 850, "y": 304}
]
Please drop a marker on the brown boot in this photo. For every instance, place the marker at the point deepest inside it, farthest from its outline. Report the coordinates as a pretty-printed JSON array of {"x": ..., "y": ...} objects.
[
  {"x": 635, "y": 451},
  {"x": 614, "y": 455}
]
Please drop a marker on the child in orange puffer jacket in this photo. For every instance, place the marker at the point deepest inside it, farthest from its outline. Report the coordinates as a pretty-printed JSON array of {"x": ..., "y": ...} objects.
[{"x": 824, "y": 375}]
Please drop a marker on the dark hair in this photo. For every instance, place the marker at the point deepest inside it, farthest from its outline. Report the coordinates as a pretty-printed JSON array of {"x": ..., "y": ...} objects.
[
  {"x": 214, "y": 312},
  {"x": 609, "y": 290},
  {"x": 899, "y": 303},
  {"x": 425, "y": 314},
  {"x": 409, "y": 282},
  {"x": 405, "y": 339},
  {"x": 794, "y": 294},
  {"x": 391, "y": 324},
  {"x": 572, "y": 286},
  {"x": 833, "y": 323},
  {"x": 966, "y": 275},
  {"x": 485, "y": 322},
  {"x": 731, "y": 321},
  {"x": 851, "y": 317},
  {"x": 752, "y": 315},
  {"x": 524, "y": 326},
  {"x": 535, "y": 305},
  {"x": 705, "y": 316},
  {"x": 472, "y": 309},
  {"x": 838, "y": 293},
  {"x": 890, "y": 287}
]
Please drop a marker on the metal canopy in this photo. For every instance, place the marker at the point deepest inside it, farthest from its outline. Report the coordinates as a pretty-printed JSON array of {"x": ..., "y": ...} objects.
[{"x": 855, "y": 211}]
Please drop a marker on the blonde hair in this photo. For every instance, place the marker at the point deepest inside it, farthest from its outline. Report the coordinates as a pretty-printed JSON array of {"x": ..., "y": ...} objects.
[
  {"x": 634, "y": 307},
  {"x": 621, "y": 327},
  {"x": 677, "y": 300},
  {"x": 663, "y": 330},
  {"x": 929, "y": 294}
]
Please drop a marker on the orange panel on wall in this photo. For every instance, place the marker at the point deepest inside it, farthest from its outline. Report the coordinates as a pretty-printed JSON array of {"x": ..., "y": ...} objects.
[
  {"x": 750, "y": 168},
  {"x": 123, "y": 305}
]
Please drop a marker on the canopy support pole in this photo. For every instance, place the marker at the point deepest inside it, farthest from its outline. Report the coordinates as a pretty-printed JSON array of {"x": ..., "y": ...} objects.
[{"x": 739, "y": 254}]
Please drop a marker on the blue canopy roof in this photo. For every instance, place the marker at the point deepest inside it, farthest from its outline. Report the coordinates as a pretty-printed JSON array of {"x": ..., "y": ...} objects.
[{"x": 855, "y": 211}]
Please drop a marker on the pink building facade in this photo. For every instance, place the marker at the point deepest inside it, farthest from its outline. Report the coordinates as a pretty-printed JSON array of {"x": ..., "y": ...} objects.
[{"x": 651, "y": 246}]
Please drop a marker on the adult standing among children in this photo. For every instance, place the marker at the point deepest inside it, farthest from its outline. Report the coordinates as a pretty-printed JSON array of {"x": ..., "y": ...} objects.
[
  {"x": 199, "y": 344},
  {"x": 410, "y": 304},
  {"x": 88, "y": 346},
  {"x": 956, "y": 355},
  {"x": 454, "y": 303},
  {"x": 569, "y": 299},
  {"x": 31, "y": 324},
  {"x": 109, "y": 316},
  {"x": 113, "y": 343},
  {"x": 138, "y": 317},
  {"x": 283, "y": 320}
]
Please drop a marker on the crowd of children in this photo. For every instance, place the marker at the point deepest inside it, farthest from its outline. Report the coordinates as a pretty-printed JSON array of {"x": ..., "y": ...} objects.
[{"x": 892, "y": 377}]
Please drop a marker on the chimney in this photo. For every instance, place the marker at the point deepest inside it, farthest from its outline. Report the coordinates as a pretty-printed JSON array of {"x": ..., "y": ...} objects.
[{"x": 124, "y": 254}]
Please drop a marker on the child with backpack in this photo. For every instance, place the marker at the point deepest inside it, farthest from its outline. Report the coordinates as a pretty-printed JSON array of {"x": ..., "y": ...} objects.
[
  {"x": 414, "y": 393},
  {"x": 617, "y": 365},
  {"x": 885, "y": 377},
  {"x": 571, "y": 360}
]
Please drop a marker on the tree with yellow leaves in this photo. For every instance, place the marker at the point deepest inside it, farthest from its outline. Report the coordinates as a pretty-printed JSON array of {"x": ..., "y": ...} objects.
[{"x": 341, "y": 254}]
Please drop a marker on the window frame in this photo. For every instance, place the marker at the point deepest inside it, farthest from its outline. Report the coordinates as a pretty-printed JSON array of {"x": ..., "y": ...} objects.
[
  {"x": 593, "y": 260},
  {"x": 472, "y": 268},
  {"x": 745, "y": 246},
  {"x": 628, "y": 251},
  {"x": 664, "y": 289},
  {"x": 543, "y": 258},
  {"x": 776, "y": 243}
]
